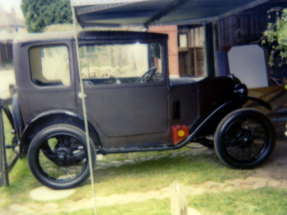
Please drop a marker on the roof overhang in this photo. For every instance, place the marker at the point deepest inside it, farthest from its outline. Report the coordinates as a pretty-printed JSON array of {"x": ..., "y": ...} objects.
[{"x": 116, "y": 13}]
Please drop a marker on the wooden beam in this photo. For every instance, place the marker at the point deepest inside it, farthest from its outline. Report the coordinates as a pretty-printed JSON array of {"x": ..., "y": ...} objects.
[
  {"x": 200, "y": 21},
  {"x": 98, "y": 7},
  {"x": 209, "y": 50},
  {"x": 165, "y": 11},
  {"x": 216, "y": 18},
  {"x": 243, "y": 8}
]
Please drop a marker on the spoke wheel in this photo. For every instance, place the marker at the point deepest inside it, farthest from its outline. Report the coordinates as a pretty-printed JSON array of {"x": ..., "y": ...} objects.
[
  {"x": 244, "y": 138},
  {"x": 64, "y": 150},
  {"x": 58, "y": 156}
]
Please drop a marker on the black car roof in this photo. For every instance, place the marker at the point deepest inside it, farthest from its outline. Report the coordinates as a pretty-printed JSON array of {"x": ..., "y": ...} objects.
[{"x": 89, "y": 35}]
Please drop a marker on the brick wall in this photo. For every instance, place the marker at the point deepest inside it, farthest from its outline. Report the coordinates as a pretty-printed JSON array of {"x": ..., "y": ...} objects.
[{"x": 171, "y": 30}]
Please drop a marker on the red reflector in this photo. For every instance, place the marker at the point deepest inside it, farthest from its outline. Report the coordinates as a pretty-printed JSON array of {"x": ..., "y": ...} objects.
[{"x": 179, "y": 132}]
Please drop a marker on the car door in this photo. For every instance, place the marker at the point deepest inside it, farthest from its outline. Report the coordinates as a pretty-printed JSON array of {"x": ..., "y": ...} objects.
[{"x": 126, "y": 87}]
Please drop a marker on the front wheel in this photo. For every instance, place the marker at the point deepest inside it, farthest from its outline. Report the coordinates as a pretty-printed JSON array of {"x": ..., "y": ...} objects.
[
  {"x": 58, "y": 156},
  {"x": 244, "y": 138}
]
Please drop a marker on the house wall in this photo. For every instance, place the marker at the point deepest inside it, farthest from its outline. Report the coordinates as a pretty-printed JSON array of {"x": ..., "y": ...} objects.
[
  {"x": 191, "y": 51},
  {"x": 171, "y": 30},
  {"x": 6, "y": 55},
  {"x": 243, "y": 28}
]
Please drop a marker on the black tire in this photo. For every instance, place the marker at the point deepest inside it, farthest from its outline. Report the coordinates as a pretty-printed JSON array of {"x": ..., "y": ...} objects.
[
  {"x": 62, "y": 166},
  {"x": 244, "y": 138}
]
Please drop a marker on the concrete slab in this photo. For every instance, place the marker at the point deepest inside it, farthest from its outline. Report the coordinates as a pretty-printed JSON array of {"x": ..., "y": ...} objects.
[{"x": 46, "y": 194}]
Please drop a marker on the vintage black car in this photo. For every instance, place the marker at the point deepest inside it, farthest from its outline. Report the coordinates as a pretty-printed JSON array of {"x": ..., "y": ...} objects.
[{"x": 132, "y": 105}]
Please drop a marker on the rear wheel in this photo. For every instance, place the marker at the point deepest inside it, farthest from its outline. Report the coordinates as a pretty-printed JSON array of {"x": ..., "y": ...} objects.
[
  {"x": 244, "y": 138},
  {"x": 58, "y": 156}
]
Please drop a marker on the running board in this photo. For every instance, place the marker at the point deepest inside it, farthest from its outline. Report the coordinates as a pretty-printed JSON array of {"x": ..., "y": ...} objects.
[{"x": 140, "y": 149}]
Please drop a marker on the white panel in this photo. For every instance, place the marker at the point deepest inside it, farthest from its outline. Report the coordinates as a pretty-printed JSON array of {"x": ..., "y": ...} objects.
[{"x": 249, "y": 65}]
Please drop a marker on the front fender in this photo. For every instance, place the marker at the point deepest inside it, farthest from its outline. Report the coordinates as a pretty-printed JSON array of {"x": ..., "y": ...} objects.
[
  {"x": 207, "y": 125},
  {"x": 260, "y": 102}
]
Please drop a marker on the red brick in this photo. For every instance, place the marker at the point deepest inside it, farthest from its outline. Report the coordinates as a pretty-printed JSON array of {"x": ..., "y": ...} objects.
[{"x": 171, "y": 30}]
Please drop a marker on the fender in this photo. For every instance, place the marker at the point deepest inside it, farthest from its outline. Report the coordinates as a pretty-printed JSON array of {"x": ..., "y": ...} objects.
[
  {"x": 51, "y": 117},
  {"x": 214, "y": 117},
  {"x": 210, "y": 122},
  {"x": 17, "y": 116},
  {"x": 207, "y": 124},
  {"x": 260, "y": 102}
]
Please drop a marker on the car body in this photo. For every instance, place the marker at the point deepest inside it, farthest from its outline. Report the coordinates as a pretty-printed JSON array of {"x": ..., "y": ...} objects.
[{"x": 132, "y": 104}]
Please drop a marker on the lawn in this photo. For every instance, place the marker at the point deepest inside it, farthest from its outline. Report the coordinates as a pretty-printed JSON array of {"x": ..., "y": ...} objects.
[
  {"x": 263, "y": 201},
  {"x": 151, "y": 175},
  {"x": 141, "y": 176}
]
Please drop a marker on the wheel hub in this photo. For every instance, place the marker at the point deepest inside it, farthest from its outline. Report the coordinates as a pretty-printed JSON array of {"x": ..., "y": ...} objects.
[
  {"x": 63, "y": 153},
  {"x": 245, "y": 138}
]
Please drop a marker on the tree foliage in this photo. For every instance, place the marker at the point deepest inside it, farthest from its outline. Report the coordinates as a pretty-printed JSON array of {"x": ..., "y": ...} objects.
[
  {"x": 40, "y": 13},
  {"x": 275, "y": 37}
]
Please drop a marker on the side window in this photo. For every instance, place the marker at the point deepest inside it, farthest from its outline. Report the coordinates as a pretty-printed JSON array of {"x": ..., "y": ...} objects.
[
  {"x": 121, "y": 63},
  {"x": 50, "y": 65}
]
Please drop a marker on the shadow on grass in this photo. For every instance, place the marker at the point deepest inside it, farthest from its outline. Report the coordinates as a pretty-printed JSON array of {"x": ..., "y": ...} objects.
[{"x": 156, "y": 174}]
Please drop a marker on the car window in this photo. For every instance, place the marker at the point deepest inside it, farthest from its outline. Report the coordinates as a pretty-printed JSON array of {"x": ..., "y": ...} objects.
[
  {"x": 50, "y": 65},
  {"x": 121, "y": 63}
]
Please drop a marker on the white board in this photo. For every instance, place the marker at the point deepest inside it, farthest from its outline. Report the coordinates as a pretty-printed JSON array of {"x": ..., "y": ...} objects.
[{"x": 248, "y": 63}]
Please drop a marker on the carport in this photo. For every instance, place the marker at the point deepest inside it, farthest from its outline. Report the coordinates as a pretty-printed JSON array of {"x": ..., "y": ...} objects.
[{"x": 144, "y": 13}]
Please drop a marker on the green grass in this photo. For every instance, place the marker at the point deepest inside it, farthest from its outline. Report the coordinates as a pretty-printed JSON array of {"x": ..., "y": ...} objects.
[
  {"x": 156, "y": 174},
  {"x": 153, "y": 175},
  {"x": 263, "y": 201},
  {"x": 20, "y": 178},
  {"x": 151, "y": 207},
  {"x": 138, "y": 177},
  {"x": 21, "y": 183}
]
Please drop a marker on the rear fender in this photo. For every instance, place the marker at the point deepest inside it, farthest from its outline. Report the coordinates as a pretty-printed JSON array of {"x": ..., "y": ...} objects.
[
  {"x": 53, "y": 117},
  {"x": 17, "y": 116}
]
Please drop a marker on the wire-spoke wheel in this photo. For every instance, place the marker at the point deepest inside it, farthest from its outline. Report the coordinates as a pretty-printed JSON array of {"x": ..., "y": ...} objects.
[
  {"x": 244, "y": 138},
  {"x": 58, "y": 156}
]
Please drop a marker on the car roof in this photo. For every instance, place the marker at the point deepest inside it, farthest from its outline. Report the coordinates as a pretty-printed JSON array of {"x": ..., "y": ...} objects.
[
  {"x": 86, "y": 35},
  {"x": 32, "y": 37}
]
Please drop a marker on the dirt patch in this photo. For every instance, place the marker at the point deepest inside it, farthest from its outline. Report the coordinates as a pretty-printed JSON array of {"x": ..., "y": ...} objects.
[{"x": 46, "y": 194}]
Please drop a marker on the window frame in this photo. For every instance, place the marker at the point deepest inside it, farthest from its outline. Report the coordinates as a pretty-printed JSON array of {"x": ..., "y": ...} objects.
[
  {"x": 70, "y": 59},
  {"x": 164, "y": 60}
]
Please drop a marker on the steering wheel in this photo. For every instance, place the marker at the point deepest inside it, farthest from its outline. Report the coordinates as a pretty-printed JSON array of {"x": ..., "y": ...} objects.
[
  {"x": 147, "y": 76},
  {"x": 114, "y": 80}
]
